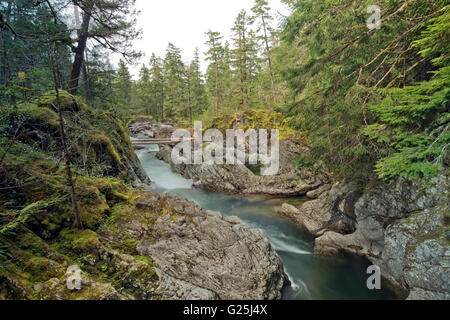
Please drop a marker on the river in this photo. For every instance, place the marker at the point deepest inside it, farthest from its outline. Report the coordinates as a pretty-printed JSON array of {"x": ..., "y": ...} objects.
[{"x": 312, "y": 277}]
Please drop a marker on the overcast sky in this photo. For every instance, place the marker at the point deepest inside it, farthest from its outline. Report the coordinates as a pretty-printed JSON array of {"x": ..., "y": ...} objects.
[{"x": 184, "y": 23}]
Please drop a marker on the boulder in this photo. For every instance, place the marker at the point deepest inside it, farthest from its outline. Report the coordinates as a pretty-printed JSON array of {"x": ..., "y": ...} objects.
[{"x": 401, "y": 227}]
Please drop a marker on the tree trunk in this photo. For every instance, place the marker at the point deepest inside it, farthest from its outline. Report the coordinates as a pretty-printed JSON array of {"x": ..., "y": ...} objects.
[
  {"x": 189, "y": 98},
  {"x": 269, "y": 59},
  {"x": 73, "y": 195},
  {"x": 5, "y": 70},
  {"x": 79, "y": 51},
  {"x": 87, "y": 88}
]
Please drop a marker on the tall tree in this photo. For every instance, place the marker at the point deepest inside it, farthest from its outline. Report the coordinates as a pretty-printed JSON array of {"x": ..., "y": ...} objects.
[
  {"x": 144, "y": 91},
  {"x": 263, "y": 18},
  {"x": 174, "y": 72},
  {"x": 245, "y": 55},
  {"x": 109, "y": 23},
  {"x": 214, "y": 54},
  {"x": 123, "y": 89},
  {"x": 157, "y": 85},
  {"x": 195, "y": 87}
]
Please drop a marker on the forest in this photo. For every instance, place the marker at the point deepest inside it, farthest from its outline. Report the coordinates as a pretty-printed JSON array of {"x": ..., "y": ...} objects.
[
  {"x": 368, "y": 99},
  {"x": 368, "y": 105}
]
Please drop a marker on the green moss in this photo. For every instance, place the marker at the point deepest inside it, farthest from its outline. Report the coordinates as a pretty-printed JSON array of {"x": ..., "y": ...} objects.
[
  {"x": 67, "y": 101},
  {"x": 144, "y": 259},
  {"x": 80, "y": 241},
  {"x": 43, "y": 116},
  {"x": 43, "y": 269},
  {"x": 257, "y": 119},
  {"x": 128, "y": 245}
]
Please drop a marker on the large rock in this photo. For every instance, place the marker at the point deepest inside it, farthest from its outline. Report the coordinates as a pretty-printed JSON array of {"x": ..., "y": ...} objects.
[
  {"x": 331, "y": 211},
  {"x": 153, "y": 247},
  {"x": 240, "y": 179},
  {"x": 402, "y": 229},
  {"x": 220, "y": 255}
]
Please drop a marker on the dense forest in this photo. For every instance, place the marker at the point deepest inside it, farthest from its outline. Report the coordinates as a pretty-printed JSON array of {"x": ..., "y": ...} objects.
[
  {"x": 369, "y": 100},
  {"x": 369, "y": 105}
]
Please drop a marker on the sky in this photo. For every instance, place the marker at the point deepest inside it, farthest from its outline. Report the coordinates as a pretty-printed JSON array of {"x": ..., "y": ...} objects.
[{"x": 184, "y": 23}]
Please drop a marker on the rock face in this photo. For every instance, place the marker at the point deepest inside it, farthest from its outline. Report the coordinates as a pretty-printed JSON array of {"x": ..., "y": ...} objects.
[
  {"x": 399, "y": 227},
  {"x": 222, "y": 256},
  {"x": 331, "y": 211},
  {"x": 240, "y": 179},
  {"x": 154, "y": 247},
  {"x": 142, "y": 130},
  {"x": 135, "y": 244},
  {"x": 290, "y": 181}
]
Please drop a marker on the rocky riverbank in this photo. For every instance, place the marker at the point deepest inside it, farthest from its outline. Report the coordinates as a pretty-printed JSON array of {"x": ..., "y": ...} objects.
[
  {"x": 151, "y": 247},
  {"x": 402, "y": 227},
  {"x": 243, "y": 180},
  {"x": 135, "y": 244}
]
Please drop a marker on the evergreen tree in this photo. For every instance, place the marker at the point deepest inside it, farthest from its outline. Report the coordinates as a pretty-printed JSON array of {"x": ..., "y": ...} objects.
[
  {"x": 174, "y": 73},
  {"x": 215, "y": 55},
  {"x": 245, "y": 56},
  {"x": 337, "y": 68},
  {"x": 157, "y": 86},
  {"x": 144, "y": 92},
  {"x": 263, "y": 19},
  {"x": 110, "y": 24},
  {"x": 195, "y": 87},
  {"x": 413, "y": 122},
  {"x": 123, "y": 90}
]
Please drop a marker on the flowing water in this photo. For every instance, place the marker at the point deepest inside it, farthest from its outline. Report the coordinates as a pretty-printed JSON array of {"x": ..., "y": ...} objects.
[{"x": 312, "y": 277}]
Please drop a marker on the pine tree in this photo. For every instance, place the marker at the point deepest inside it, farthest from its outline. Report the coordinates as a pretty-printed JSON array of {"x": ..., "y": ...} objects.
[
  {"x": 413, "y": 121},
  {"x": 215, "y": 55},
  {"x": 261, "y": 15},
  {"x": 174, "y": 73},
  {"x": 144, "y": 91},
  {"x": 195, "y": 87},
  {"x": 157, "y": 86},
  {"x": 110, "y": 24},
  {"x": 337, "y": 69},
  {"x": 123, "y": 87},
  {"x": 245, "y": 55}
]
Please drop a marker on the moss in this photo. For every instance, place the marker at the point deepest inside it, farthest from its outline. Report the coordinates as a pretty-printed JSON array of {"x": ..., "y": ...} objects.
[
  {"x": 43, "y": 269},
  {"x": 100, "y": 139},
  {"x": 14, "y": 286},
  {"x": 84, "y": 241},
  {"x": 68, "y": 102},
  {"x": 144, "y": 259},
  {"x": 43, "y": 116},
  {"x": 257, "y": 119},
  {"x": 128, "y": 245}
]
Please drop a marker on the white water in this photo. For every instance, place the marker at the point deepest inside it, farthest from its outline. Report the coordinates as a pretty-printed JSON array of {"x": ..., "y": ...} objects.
[{"x": 311, "y": 277}]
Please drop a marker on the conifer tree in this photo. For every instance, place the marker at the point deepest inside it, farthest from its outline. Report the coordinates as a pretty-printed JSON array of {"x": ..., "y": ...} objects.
[
  {"x": 263, "y": 19},
  {"x": 245, "y": 58},
  {"x": 157, "y": 86},
  {"x": 174, "y": 72},
  {"x": 215, "y": 55}
]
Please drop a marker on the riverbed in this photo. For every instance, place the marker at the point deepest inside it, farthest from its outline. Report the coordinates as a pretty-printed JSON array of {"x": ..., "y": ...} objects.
[{"x": 312, "y": 277}]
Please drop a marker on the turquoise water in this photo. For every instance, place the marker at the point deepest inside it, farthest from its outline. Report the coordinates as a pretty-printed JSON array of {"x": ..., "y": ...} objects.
[{"x": 312, "y": 277}]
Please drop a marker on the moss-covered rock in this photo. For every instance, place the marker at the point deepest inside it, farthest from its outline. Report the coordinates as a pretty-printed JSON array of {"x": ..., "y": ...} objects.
[
  {"x": 98, "y": 141},
  {"x": 257, "y": 119}
]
